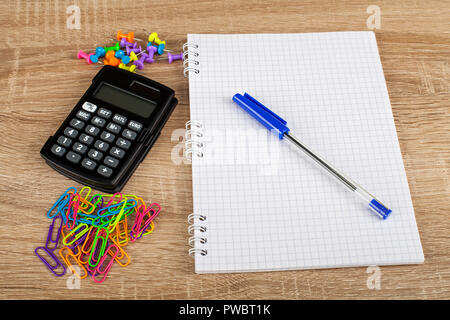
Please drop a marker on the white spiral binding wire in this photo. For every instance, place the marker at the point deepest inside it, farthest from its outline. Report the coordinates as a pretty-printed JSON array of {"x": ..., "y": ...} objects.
[
  {"x": 190, "y": 53},
  {"x": 198, "y": 238},
  {"x": 193, "y": 141}
]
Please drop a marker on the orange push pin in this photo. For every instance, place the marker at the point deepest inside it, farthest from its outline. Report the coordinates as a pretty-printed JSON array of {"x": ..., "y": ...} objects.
[
  {"x": 112, "y": 62},
  {"x": 129, "y": 36},
  {"x": 109, "y": 55}
]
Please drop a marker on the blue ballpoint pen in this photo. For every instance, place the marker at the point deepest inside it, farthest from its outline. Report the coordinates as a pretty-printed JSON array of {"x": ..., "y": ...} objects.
[{"x": 275, "y": 123}]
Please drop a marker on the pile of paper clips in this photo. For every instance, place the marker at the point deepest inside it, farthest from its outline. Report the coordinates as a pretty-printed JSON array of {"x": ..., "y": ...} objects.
[{"x": 89, "y": 232}]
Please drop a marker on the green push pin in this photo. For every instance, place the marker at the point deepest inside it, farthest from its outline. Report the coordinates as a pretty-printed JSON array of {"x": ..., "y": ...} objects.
[{"x": 113, "y": 48}]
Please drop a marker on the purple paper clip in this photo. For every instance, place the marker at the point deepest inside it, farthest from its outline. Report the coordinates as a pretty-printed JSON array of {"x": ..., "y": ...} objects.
[
  {"x": 52, "y": 268},
  {"x": 50, "y": 240}
]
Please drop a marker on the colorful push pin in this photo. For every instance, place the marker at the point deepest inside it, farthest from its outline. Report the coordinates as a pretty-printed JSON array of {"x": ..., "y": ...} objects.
[
  {"x": 113, "y": 48},
  {"x": 133, "y": 56},
  {"x": 172, "y": 57},
  {"x": 83, "y": 55},
  {"x": 151, "y": 51},
  {"x": 119, "y": 54},
  {"x": 93, "y": 58},
  {"x": 161, "y": 48},
  {"x": 110, "y": 54},
  {"x": 124, "y": 43},
  {"x": 153, "y": 37},
  {"x": 131, "y": 68},
  {"x": 112, "y": 62},
  {"x": 140, "y": 63},
  {"x": 126, "y": 59},
  {"x": 100, "y": 52},
  {"x": 135, "y": 50},
  {"x": 129, "y": 36}
]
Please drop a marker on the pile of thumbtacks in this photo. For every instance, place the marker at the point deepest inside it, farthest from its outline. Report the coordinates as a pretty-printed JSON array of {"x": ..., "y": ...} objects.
[
  {"x": 88, "y": 232},
  {"x": 126, "y": 54}
]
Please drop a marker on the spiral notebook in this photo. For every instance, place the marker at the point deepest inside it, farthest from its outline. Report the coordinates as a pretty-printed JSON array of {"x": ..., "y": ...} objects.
[{"x": 260, "y": 204}]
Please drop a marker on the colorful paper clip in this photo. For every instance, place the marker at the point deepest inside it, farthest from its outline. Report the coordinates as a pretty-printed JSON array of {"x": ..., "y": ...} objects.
[{"x": 91, "y": 230}]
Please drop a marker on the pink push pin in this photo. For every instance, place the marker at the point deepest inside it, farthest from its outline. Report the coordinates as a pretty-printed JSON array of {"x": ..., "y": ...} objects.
[
  {"x": 140, "y": 63},
  {"x": 151, "y": 52},
  {"x": 83, "y": 55}
]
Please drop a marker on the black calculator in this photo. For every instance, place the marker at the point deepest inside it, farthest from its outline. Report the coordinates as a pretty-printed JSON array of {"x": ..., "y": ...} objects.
[{"x": 110, "y": 130}]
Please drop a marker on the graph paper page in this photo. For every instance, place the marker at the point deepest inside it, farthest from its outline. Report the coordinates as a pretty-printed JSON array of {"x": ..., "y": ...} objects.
[{"x": 268, "y": 206}]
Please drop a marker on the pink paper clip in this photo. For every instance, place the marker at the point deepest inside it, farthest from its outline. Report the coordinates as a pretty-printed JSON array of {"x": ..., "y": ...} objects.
[{"x": 73, "y": 208}]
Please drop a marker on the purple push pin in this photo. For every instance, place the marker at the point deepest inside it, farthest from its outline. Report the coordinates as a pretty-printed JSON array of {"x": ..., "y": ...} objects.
[
  {"x": 124, "y": 43},
  {"x": 174, "y": 57},
  {"x": 151, "y": 52},
  {"x": 140, "y": 63},
  {"x": 135, "y": 50}
]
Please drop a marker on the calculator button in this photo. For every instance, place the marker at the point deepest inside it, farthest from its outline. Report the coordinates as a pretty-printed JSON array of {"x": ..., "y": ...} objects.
[
  {"x": 104, "y": 113},
  {"x": 95, "y": 154},
  {"x": 73, "y": 157},
  {"x": 77, "y": 124},
  {"x": 101, "y": 145},
  {"x": 83, "y": 115},
  {"x": 114, "y": 128},
  {"x": 129, "y": 134},
  {"x": 92, "y": 130},
  {"x": 111, "y": 162},
  {"x": 125, "y": 144},
  {"x": 58, "y": 150},
  {"x": 70, "y": 132},
  {"x": 107, "y": 136},
  {"x": 88, "y": 164},
  {"x": 86, "y": 139},
  {"x": 117, "y": 152},
  {"x": 99, "y": 122},
  {"x": 66, "y": 142},
  {"x": 80, "y": 148},
  {"x": 89, "y": 106},
  {"x": 119, "y": 119},
  {"x": 135, "y": 125},
  {"x": 104, "y": 171}
]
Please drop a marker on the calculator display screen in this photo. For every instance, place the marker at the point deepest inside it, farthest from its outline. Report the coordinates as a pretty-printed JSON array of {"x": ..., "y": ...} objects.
[{"x": 125, "y": 100}]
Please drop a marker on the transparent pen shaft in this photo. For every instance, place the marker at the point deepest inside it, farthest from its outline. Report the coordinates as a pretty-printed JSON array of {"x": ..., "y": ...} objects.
[{"x": 346, "y": 181}]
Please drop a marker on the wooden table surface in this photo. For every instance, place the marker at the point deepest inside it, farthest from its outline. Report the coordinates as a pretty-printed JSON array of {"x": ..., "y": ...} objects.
[{"x": 41, "y": 80}]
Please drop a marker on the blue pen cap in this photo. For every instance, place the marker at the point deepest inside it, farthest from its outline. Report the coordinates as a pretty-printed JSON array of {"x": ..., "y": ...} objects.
[
  {"x": 266, "y": 117},
  {"x": 379, "y": 209}
]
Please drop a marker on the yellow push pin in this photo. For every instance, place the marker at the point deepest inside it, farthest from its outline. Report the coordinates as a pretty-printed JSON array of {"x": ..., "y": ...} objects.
[
  {"x": 131, "y": 68},
  {"x": 133, "y": 56}
]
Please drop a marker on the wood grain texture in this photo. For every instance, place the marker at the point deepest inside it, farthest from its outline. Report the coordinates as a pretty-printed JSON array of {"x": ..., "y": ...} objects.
[{"x": 41, "y": 80}]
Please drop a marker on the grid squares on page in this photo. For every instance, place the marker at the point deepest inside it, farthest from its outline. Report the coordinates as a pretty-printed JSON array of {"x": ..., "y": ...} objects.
[{"x": 331, "y": 89}]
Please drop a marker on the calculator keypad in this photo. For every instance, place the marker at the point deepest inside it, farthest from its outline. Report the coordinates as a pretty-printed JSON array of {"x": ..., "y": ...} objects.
[
  {"x": 83, "y": 115},
  {"x": 96, "y": 140},
  {"x": 71, "y": 132},
  {"x": 95, "y": 154},
  {"x": 86, "y": 139},
  {"x": 120, "y": 119},
  {"x": 64, "y": 141},
  {"x": 58, "y": 150},
  {"x": 77, "y": 124},
  {"x": 73, "y": 157},
  {"x": 114, "y": 128},
  {"x": 104, "y": 113}
]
